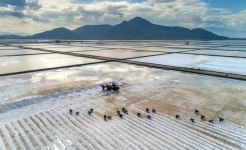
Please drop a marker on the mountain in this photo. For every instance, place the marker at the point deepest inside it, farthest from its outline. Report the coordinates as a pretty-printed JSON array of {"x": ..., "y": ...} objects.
[
  {"x": 10, "y": 36},
  {"x": 92, "y": 31},
  {"x": 227, "y": 32},
  {"x": 141, "y": 29},
  {"x": 14, "y": 33},
  {"x": 134, "y": 29},
  {"x": 58, "y": 33}
]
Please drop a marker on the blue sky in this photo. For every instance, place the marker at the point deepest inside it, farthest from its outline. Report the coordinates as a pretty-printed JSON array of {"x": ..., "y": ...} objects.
[
  {"x": 234, "y": 6},
  {"x": 31, "y": 16}
]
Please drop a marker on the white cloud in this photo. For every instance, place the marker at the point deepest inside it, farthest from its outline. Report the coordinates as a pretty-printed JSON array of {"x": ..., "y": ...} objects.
[{"x": 67, "y": 13}]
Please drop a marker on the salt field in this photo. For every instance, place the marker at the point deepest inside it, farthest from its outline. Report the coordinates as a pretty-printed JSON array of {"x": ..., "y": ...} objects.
[
  {"x": 72, "y": 49},
  {"x": 9, "y": 48},
  {"x": 234, "y": 48},
  {"x": 20, "y": 52},
  {"x": 218, "y": 53},
  {"x": 36, "y": 62},
  {"x": 46, "y": 99},
  {"x": 119, "y": 53},
  {"x": 160, "y": 49},
  {"x": 220, "y": 64}
]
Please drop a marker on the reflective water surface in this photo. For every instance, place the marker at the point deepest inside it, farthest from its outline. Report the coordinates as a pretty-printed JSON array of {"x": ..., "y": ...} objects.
[
  {"x": 119, "y": 53},
  {"x": 222, "y": 64},
  {"x": 33, "y": 62},
  {"x": 20, "y": 52},
  {"x": 219, "y": 52}
]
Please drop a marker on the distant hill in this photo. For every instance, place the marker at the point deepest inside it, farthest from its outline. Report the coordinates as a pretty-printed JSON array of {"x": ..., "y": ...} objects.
[
  {"x": 227, "y": 32},
  {"x": 14, "y": 37},
  {"x": 58, "y": 33},
  {"x": 141, "y": 29},
  {"x": 92, "y": 31},
  {"x": 134, "y": 29}
]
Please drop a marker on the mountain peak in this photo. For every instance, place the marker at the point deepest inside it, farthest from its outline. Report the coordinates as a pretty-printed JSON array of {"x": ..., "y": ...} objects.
[
  {"x": 60, "y": 28},
  {"x": 139, "y": 20}
]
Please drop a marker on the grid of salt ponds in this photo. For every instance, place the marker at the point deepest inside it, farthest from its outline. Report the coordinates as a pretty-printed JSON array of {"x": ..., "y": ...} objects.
[
  {"x": 78, "y": 44},
  {"x": 41, "y": 45},
  {"x": 219, "y": 53},
  {"x": 113, "y": 46},
  {"x": 9, "y": 48},
  {"x": 220, "y": 64},
  {"x": 20, "y": 52},
  {"x": 160, "y": 49},
  {"x": 45, "y": 61},
  {"x": 192, "y": 46},
  {"x": 119, "y": 53},
  {"x": 234, "y": 48},
  {"x": 228, "y": 42},
  {"x": 72, "y": 49}
]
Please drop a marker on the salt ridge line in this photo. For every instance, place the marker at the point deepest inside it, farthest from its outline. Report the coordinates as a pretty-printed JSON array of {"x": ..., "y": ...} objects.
[
  {"x": 1, "y": 142},
  {"x": 93, "y": 135},
  {"x": 191, "y": 140},
  {"x": 112, "y": 136},
  {"x": 86, "y": 90},
  {"x": 224, "y": 136},
  {"x": 182, "y": 122},
  {"x": 46, "y": 131},
  {"x": 133, "y": 134},
  {"x": 232, "y": 127},
  {"x": 152, "y": 144},
  {"x": 55, "y": 131},
  {"x": 157, "y": 142},
  {"x": 139, "y": 124},
  {"x": 86, "y": 126},
  {"x": 51, "y": 102},
  {"x": 166, "y": 145},
  {"x": 211, "y": 140},
  {"x": 126, "y": 143},
  {"x": 88, "y": 137},
  {"x": 16, "y": 136},
  {"x": 212, "y": 133},
  {"x": 123, "y": 136},
  {"x": 189, "y": 133},
  {"x": 65, "y": 131},
  {"x": 200, "y": 129},
  {"x": 235, "y": 125},
  {"x": 171, "y": 137},
  {"x": 85, "y": 140},
  {"x": 40, "y": 133},
  {"x": 8, "y": 138},
  {"x": 237, "y": 137},
  {"x": 136, "y": 143},
  {"x": 33, "y": 136},
  {"x": 193, "y": 134},
  {"x": 23, "y": 134}
]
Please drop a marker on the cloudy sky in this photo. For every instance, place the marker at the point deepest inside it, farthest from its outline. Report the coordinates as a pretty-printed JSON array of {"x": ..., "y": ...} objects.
[{"x": 32, "y": 16}]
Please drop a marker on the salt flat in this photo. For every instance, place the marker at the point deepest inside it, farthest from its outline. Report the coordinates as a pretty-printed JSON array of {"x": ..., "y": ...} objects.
[
  {"x": 35, "y": 62},
  {"x": 34, "y": 106},
  {"x": 20, "y": 52},
  {"x": 218, "y": 53},
  {"x": 214, "y": 63},
  {"x": 38, "y": 116},
  {"x": 119, "y": 53}
]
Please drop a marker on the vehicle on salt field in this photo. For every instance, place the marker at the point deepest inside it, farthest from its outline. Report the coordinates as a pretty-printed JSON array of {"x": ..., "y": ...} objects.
[{"x": 114, "y": 87}]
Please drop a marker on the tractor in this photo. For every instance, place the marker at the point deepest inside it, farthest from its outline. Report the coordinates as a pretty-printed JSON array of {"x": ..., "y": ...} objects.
[{"x": 109, "y": 87}]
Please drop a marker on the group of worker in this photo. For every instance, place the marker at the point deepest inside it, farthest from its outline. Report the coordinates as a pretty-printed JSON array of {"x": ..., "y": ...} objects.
[
  {"x": 77, "y": 112},
  {"x": 202, "y": 117},
  {"x": 71, "y": 111}
]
